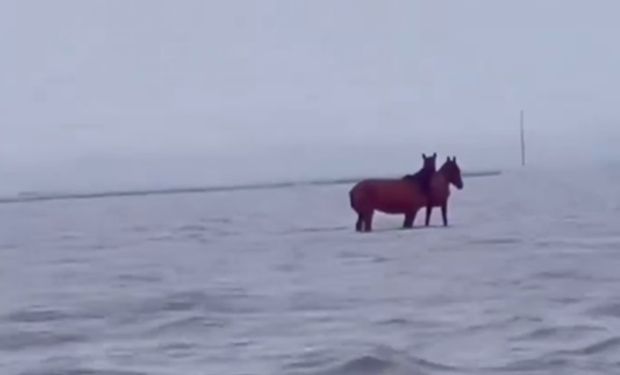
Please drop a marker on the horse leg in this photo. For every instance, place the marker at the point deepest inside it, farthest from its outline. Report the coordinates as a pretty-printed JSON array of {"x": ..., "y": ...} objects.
[
  {"x": 368, "y": 221},
  {"x": 444, "y": 213},
  {"x": 429, "y": 210},
  {"x": 407, "y": 223},
  {"x": 409, "y": 220},
  {"x": 360, "y": 223}
]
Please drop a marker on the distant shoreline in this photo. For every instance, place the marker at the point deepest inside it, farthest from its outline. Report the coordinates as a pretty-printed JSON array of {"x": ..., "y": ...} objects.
[{"x": 40, "y": 197}]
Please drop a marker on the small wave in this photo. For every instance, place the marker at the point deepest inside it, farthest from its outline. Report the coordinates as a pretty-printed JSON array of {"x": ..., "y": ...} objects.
[
  {"x": 395, "y": 321},
  {"x": 557, "y": 333},
  {"x": 321, "y": 229},
  {"x": 70, "y": 260},
  {"x": 502, "y": 323},
  {"x": 68, "y": 236},
  {"x": 178, "y": 349},
  {"x": 177, "y": 302},
  {"x": 177, "y": 346},
  {"x": 36, "y": 316},
  {"x": 570, "y": 275},
  {"x": 19, "y": 341},
  {"x": 565, "y": 300},
  {"x": 138, "y": 229},
  {"x": 191, "y": 228},
  {"x": 562, "y": 274},
  {"x": 544, "y": 363},
  {"x": 311, "y": 230},
  {"x": 288, "y": 267},
  {"x": 187, "y": 302},
  {"x": 135, "y": 278},
  {"x": 188, "y": 325},
  {"x": 496, "y": 241},
  {"x": 316, "y": 302},
  {"x": 602, "y": 347},
  {"x": 81, "y": 371},
  {"x": 383, "y": 360},
  {"x": 161, "y": 237},
  {"x": 364, "y": 365},
  {"x": 217, "y": 220},
  {"x": 380, "y": 259},
  {"x": 311, "y": 360},
  {"x": 375, "y": 365},
  {"x": 611, "y": 310}
]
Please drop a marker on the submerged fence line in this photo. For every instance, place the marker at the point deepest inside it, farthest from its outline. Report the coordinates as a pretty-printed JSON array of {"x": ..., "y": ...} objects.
[{"x": 196, "y": 190}]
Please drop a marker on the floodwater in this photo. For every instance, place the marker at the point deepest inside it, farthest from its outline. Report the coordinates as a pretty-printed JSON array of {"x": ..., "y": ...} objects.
[{"x": 525, "y": 280}]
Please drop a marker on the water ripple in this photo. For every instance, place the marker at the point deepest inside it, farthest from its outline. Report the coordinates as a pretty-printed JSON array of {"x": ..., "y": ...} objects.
[
  {"x": 191, "y": 325},
  {"x": 607, "y": 310},
  {"x": 601, "y": 347},
  {"x": 82, "y": 371},
  {"x": 559, "y": 333},
  {"x": 36, "y": 316},
  {"x": 27, "y": 340},
  {"x": 382, "y": 360}
]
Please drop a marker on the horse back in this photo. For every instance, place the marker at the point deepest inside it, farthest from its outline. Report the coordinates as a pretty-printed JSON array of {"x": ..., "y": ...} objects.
[{"x": 387, "y": 195}]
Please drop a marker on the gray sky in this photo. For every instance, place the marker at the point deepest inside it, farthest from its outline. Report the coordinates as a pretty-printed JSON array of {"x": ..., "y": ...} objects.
[{"x": 118, "y": 92}]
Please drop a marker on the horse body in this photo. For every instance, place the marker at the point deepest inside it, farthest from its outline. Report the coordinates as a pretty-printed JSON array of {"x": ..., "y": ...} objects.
[
  {"x": 403, "y": 196},
  {"x": 390, "y": 196}
]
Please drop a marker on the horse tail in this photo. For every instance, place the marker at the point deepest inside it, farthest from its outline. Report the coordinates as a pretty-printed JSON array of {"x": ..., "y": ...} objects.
[
  {"x": 354, "y": 197},
  {"x": 360, "y": 197}
]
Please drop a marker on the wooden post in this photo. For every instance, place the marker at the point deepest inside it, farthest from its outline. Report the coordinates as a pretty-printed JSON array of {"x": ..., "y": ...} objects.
[{"x": 522, "y": 139}]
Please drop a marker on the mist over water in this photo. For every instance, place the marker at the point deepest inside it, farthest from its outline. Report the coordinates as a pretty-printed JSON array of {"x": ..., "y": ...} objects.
[{"x": 120, "y": 94}]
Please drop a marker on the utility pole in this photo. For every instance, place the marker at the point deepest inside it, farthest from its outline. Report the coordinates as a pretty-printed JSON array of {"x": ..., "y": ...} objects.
[{"x": 522, "y": 139}]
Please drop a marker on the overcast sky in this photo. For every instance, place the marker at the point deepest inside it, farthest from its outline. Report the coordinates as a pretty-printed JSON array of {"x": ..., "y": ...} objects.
[{"x": 191, "y": 91}]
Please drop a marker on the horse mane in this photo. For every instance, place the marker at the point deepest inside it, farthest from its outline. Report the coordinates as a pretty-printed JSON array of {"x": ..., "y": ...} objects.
[
  {"x": 424, "y": 174},
  {"x": 418, "y": 176},
  {"x": 444, "y": 167},
  {"x": 413, "y": 177}
]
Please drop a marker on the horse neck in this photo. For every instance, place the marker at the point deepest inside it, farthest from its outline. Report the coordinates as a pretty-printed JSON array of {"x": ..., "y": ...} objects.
[{"x": 442, "y": 176}]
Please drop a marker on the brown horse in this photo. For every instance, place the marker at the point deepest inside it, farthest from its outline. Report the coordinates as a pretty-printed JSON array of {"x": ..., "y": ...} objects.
[
  {"x": 449, "y": 173},
  {"x": 403, "y": 196},
  {"x": 390, "y": 195}
]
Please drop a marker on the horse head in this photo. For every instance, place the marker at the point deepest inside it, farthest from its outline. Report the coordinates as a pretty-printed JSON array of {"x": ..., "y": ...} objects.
[
  {"x": 452, "y": 172},
  {"x": 429, "y": 162}
]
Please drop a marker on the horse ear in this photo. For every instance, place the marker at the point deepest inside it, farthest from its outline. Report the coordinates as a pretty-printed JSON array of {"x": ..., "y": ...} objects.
[
  {"x": 434, "y": 155},
  {"x": 423, "y": 156},
  {"x": 454, "y": 159}
]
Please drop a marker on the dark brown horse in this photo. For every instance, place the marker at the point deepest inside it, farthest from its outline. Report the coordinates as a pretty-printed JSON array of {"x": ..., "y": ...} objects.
[
  {"x": 404, "y": 196},
  {"x": 390, "y": 195},
  {"x": 449, "y": 173}
]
